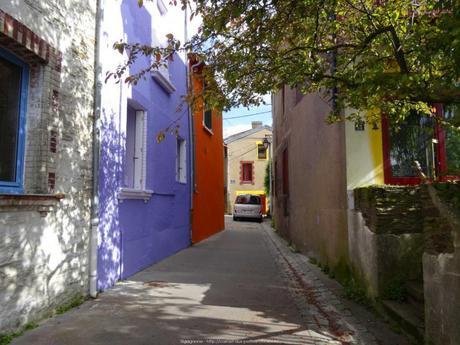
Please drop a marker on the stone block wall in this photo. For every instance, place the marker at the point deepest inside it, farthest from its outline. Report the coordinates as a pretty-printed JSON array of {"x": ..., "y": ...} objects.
[
  {"x": 392, "y": 231},
  {"x": 391, "y": 209},
  {"x": 442, "y": 303},
  {"x": 44, "y": 233},
  {"x": 411, "y": 233},
  {"x": 441, "y": 266}
]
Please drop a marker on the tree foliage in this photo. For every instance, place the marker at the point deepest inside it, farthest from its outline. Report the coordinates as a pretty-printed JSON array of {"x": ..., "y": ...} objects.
[{"x": 393, "y": 55}]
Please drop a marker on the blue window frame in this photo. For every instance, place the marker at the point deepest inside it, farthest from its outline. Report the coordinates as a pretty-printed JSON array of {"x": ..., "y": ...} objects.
[{"x": 13, "y": 106}]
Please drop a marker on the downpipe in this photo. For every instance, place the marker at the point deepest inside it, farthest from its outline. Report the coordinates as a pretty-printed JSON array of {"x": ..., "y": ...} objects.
[{"x": 93, "y": 245}]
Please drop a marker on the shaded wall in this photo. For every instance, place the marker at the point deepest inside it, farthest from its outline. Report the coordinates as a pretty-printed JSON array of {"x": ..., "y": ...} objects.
[
  {"x": 134, "y": 234},
  {"x": 313, "y": 214},
  {"x": 44, "y": 232},
  {"x": 441, "y": 267},
  {"x": 208, "y": 197}
]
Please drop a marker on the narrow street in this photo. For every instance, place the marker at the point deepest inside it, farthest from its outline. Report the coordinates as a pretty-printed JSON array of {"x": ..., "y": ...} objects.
[{"x": 242, "y": 285}]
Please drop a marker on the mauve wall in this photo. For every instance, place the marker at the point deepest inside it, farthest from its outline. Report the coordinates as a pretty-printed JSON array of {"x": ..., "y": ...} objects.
[
  {"x": 316, "y": 221},
  {"x": 134, "y": 234}
]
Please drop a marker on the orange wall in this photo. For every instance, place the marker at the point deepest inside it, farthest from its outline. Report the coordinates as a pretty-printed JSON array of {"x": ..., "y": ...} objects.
[{"x": 208, "y": 198}]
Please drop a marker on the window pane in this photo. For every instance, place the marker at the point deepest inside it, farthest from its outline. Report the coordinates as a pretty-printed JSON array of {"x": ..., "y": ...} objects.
[
  {"x": 247, "y": 172},
  {"x": 208, "y": 119},
  {"x": 10, "y": 84},
  {"x": 261, "y": 151},
  {"x": 412, "y": 142},
  {"x": 452, "y": 115},
  {"x": 181, "y": 168},
  {"x": 130, "y": 147},
  {"x": 242, "y": 199}
]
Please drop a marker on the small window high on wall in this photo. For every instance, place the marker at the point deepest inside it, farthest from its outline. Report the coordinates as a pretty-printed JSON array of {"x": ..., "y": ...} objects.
[
  {"x": 261, "y": 151},
  {"x": 135, "y": 154},
  {"x": 207, "y": 119},
  {"x": 13, "y": 100}
]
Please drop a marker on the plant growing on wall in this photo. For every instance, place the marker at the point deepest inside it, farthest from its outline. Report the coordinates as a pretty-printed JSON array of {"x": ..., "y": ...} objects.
[
  {"x": 395, "y": 55},
  {"x": 267, "y": 178}
]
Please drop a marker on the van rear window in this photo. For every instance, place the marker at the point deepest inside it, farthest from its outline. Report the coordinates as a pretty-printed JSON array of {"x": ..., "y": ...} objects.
[{"x": 248, "y": 199}]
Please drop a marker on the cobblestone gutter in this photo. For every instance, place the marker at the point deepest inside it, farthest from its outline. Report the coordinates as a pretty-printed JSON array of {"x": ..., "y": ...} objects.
[{"x": 326, "y": 312}]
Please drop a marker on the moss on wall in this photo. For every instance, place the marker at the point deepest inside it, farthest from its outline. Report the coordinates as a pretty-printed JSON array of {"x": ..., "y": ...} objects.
[
  {"x": 391, "y": 209},
  {"x": 449, "y": 193}
]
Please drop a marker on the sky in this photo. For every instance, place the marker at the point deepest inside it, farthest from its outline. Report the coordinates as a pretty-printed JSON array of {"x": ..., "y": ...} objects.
[{"x": 236, "y": 125}]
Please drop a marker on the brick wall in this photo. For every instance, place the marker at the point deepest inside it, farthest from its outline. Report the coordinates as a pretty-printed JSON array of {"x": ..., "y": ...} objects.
[{"x": 44, "y": 240}]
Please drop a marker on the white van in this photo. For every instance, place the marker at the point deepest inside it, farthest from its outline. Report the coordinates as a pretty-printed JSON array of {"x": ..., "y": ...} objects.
[{"x": 247, "y": 206}]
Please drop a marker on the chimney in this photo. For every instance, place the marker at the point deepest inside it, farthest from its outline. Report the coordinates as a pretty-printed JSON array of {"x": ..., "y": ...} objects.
[{"x": 256, "y": 124}]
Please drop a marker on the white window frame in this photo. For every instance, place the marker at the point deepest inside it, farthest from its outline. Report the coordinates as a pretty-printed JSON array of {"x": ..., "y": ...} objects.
[
  {"x": 139, "y": 190},
  {"x": 181, "y": 160}
]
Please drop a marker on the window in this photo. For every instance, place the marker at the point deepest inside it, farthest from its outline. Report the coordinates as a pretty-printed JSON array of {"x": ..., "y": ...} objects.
[
  {"x": 247, "y": 172},
  {"x": 452, "y": 141},
  {"x": 248, "y": 199},
  {"x": 261, "y": 151},
  {"x": 181, "y": 168},
  {"x": 13, "y": 101},
  {"x": 163, "y": 78},
  {"x": 135, "y": 161},
  {"x": 423, "y": 140},
  {"x": 207, "y": 119}
]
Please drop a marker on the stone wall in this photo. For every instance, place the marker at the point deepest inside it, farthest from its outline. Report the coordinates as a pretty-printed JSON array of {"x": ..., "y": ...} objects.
[
  {"x": 386, "y": 226},
  {"x": 403, "y": 234},
  {"x": 441, "y": 267},
  {"x": 45, "y": 232}
]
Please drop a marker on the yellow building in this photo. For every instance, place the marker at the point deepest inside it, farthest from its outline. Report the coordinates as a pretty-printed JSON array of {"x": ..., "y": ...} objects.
[{"x": 247, "y": 162}]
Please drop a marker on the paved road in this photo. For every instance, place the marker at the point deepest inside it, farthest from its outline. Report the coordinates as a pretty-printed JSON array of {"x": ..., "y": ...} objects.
[{"x": 241, "y": 286}]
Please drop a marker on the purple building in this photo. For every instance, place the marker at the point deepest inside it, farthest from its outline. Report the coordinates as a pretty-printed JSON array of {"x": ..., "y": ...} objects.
[{"x": 144, "y": 186}]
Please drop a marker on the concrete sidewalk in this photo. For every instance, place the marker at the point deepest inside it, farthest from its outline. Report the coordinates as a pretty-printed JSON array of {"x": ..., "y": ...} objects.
[{"x": 241, "y": 286}]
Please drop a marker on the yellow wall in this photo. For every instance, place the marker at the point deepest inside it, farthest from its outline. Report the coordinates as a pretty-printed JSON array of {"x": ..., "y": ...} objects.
[
  {"x": 364, "y": 156},
  {"x": 245, "y": 149}
]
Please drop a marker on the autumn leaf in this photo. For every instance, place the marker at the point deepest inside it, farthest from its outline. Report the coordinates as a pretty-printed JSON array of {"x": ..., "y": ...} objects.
[{"x": 160, "y": 137}]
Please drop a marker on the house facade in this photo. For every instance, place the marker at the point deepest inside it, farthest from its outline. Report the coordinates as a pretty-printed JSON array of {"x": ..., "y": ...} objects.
[
  {"x": 247, "y": 159},
  {"x": 208, "y": 172},
  {"x": 46, "y": 108},
  {"x": 144, "y": 185},
  {"x": 358, "y": 207}
]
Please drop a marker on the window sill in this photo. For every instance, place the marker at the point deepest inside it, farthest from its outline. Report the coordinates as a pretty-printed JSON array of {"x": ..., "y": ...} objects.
[
  {"x": 134, "y": 194},
  {"x": 42, "y": 203},
  {"x": 208, "y": 130},
  {"x": 164, "y": 82},
  {"x": 247, "y": 182}
]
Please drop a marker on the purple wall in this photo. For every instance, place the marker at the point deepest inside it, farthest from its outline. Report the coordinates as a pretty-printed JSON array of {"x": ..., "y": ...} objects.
[{"x": 134, "y": 234}]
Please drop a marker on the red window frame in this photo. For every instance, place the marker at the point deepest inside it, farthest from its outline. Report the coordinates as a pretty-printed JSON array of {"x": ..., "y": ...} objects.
[
  {"x": 242, "y": 172},
  {"x": 441, "y": 155}
]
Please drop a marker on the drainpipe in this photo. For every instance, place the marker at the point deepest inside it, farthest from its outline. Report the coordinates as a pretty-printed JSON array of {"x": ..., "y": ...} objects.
[
  {"x": 96, "y": 148},
  {"x": 190, "y": 125},
  {"x": 190, "y": 87}
]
